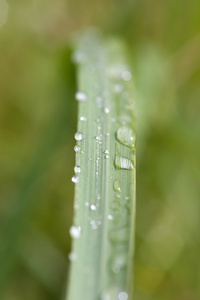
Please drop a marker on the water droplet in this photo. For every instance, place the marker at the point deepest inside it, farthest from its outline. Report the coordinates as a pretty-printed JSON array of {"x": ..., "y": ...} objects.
[
  {"x": 75, "y": 179},
  {"x": 110, "y": 217},
  {"x": 116, "y": 269},
  {"x": 107, "y": 156},
  {"x": 107, "y": 110},
  {"x": 77, "y": 169},
  {"x": 77, "y": 148},
  {"x": 80, "y": 96},
  {"x": 117, "y": 186},
  {"x": 123, "y": 296},
  {"x": 84, "y": 119},
  {"x": 93, "y": 224},
  {"x": 87, "y": 204},
  {"x": 123, "y": 163},
  {"x": 72, "y": 256},
  {"x": 106, "y": 151},
  {"x": 93, "y": 207},
  {"x": 126, "y": 136},
  {"x": 78, "y": 136},
  {"x": 98, "y": 138},
  {"x": 126, "y": 75},
  {"x": 75, "y": 232}
]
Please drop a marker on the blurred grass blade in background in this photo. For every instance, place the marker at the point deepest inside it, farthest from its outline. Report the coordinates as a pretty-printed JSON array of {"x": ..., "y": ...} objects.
[{"x": 103, "y": 229}]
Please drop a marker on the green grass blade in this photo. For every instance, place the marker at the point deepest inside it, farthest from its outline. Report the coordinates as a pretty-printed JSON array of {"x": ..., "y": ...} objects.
[{"x": 103, "y": 230}]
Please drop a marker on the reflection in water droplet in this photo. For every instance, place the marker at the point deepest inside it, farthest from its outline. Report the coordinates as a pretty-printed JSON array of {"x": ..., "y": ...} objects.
[
  {"x": 80, "y": 96},
  {"x": 117, "y": 186},
  {"x": 126, "y": 136},
  {"x": 77, "y": 148},
  {"x": 75, "y": 232},
  {"x": 123, "y": 163},
  {"x": 78, "y": 136},
  {"x": 77, "y": 169},
  {"x": 75, "y": 179}
]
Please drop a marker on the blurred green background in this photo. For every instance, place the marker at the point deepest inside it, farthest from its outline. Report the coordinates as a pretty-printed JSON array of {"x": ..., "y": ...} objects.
[{"x": 38, "y": 121}]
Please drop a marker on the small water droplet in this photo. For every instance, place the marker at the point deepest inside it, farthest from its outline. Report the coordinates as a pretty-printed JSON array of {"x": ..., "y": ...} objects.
[
  {"x": 117, "y": 186},
  {"x": 79, "y": 57},
  {"x": 75, "y": 232},
  {"x": 106, "y": 151},
  {"x": 123, "y": 163},
  {"x": 123, "y": 296},
  {"x": 98, "y": 138},
  {"x": 113, "y": 120},
  {"x": 107, "y": 156},
  {"x": 116, "y": 269},
  {"x": 78, "y": 136},
  {"x": 72, "y": 256},
  {"x": 93, "y": 207},
  {"x": 77, "y": 169},
  {"x": 84, "y": 119},
  {"x": 77, "y": 148},
  {"x": 117, "y": 88},
  {"x": 107, "y": 110},
  {"x": 110, "y": 217},
  {"x": 75, "y": 179},
  {"x": 126, "y": 136},
  {"x": 87, "y": 203},
  {"x": 126, "y": 75},
  {"x": 80, "y": 96}
]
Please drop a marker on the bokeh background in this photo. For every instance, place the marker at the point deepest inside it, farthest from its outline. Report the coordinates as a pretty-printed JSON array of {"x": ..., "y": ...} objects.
[{"x": 38, "y": 121}]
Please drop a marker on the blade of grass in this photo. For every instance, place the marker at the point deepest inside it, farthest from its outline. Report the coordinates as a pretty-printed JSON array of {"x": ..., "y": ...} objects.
[{"x": 103, "y": 230}]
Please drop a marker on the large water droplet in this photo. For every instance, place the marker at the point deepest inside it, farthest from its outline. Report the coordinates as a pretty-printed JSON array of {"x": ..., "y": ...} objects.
[
  {"x": 77, "y": 169},
  {"x": 78, "y": 136},
  {"x": 123, "y": 163},
  {"x": 75, "y": 179},
  {"x": 80, "y": 96},
  {"x": 75, "y": 232},
  {"x": 77, "y": 148},
  {"x": 117, "y": 186},
  {"x": 126, "y": 136}
]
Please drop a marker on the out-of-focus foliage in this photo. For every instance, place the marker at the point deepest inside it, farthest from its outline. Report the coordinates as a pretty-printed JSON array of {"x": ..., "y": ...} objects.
[{"x": 38, "y": 121}]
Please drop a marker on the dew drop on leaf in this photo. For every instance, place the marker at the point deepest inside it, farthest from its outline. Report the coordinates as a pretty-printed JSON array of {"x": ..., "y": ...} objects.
[
  {"x": 78, "y": 136},
  {"x": 75, "y": 232}
]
